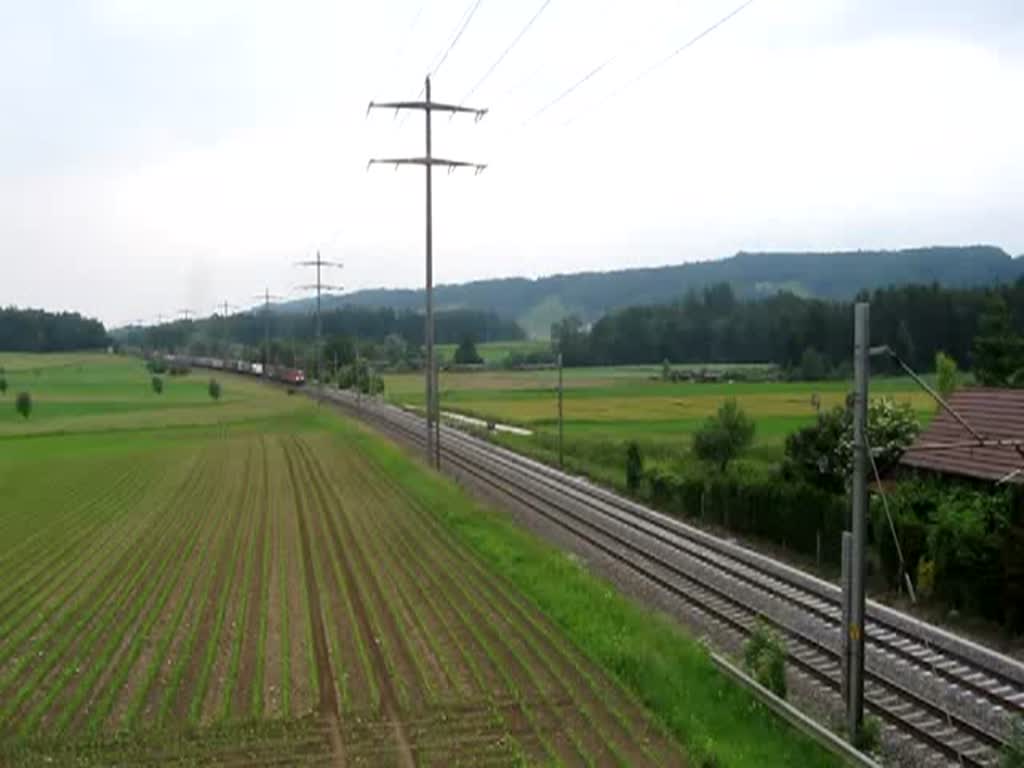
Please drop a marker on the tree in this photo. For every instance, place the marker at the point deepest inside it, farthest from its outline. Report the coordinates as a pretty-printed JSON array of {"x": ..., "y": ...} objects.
[
  {"x": 812, "y": 365},
  {"x": 214, "y": 389},
  {"x": 998, "y": 350},
  {"x": 947, "y": 374},
  {"x": 3, "y": 384},
  {"x": 634, "y": 466},
  {"x": 23, "y": 404},
  {"x": 466, "y": 353},
  {"x": 822, "y": 454},
  {"x": 724, "y": 436},
  {"x": 158, "y": 385}
]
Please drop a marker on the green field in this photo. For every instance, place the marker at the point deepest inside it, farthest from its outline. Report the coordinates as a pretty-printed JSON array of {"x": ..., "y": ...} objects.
[
  {"x": 258, "y": 581},
  {"x": 604, "y": 408}
]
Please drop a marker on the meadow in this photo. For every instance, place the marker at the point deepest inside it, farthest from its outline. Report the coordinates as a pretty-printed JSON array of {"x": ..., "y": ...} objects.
[
  {"x": 255, "y": 580},
  {"x": 605, "y": 408}
]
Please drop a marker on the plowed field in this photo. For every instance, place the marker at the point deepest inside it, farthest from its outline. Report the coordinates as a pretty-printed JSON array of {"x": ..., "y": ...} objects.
[{"x": 246, "y": 596}]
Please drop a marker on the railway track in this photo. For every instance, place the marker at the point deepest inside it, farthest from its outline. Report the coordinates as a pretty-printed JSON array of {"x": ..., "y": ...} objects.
[{"x": 949, "y": 695}]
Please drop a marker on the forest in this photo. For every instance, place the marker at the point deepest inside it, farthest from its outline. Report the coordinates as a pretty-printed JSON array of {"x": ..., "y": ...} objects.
[
  {"x": 35, "y": 330},
  {"x": 368, "y": 324},
  {"x": 715, "y": 326}
]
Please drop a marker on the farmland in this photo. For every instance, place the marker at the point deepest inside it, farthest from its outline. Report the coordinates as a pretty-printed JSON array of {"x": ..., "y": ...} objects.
[
  {"x": 253, "y": 579},
  {"x": 606, "y": 407}
]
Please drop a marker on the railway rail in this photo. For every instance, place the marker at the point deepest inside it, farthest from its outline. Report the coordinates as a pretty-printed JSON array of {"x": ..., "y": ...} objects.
[{"x": 949, "y": 695}]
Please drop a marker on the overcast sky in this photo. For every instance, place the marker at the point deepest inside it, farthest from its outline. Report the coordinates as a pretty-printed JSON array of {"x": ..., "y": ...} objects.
[{"x": 162, "y": 155}]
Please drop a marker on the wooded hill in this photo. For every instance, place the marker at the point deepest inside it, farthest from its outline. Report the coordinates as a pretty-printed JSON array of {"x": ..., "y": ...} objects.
[{"x": 537, "y": 303}]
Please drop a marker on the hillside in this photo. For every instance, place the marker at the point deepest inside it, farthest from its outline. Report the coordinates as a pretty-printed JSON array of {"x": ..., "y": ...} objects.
[{"x": 536, "y": 303}]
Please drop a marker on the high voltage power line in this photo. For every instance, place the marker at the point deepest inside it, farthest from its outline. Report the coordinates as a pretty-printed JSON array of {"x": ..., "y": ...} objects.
[
  {"x": 466, "y": 18},
  {"x": 513, "y": 44},
  {"x": 659, "y": 63},
  {"x": 663, "y": 61}
]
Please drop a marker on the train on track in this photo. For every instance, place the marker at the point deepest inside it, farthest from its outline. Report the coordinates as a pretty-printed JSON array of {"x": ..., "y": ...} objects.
[{"x": 292, "y": 376}]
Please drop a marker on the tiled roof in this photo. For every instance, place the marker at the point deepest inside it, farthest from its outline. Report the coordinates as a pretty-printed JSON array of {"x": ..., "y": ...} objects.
[{"x": 998, "y": 414}]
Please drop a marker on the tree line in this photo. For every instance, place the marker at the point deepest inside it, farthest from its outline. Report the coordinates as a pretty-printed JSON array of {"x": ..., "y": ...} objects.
[
  {"x": 812, "y": 336},
  {"x": 35, "y": 330},
  {"x": 373, "y": 325}
]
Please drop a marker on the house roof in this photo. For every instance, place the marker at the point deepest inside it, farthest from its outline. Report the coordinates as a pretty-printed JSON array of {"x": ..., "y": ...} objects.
[{"x": 997, "y": 414}]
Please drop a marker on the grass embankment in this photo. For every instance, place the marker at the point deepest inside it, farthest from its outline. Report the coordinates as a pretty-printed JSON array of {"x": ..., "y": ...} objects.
[{"x": 668, "y": 671}]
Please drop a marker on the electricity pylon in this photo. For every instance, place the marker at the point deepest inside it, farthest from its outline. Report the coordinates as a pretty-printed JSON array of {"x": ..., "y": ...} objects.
[
  {"x": 319, "y": 286},
  {"x": 428, "y": 161}
]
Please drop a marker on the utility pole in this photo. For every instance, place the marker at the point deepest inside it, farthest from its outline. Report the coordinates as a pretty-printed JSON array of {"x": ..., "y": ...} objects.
[
  {"x": 853, "y": 586},
  {"x": 561, "y": 432},
  {"x": 266, "y": 297},
  {"x": 429, "y": 161},
  {"x": 319, "y": 286}
]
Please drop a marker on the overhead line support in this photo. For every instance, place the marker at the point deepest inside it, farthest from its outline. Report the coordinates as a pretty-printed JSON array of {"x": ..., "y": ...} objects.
[{"x": 428, "y": 161}]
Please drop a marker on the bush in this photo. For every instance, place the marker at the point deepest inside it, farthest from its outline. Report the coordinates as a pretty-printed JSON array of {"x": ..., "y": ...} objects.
[
  {"x": 23, "y": 404},
  {"x": 724, "y": 436},
  {"x": 466, "y": 353},
  {"x": 822, "y": 454},
  {"x": 1013, "y": 751},
  {"x": 764, "y": 656},
  {"x": 156, "y": 365},
  {"x": 870, "y": 736},
  {"x": 946, "y": 374},
  {"x": 3, "y": 385},
  {"x": 791, "y": 514},
  {"x": 158, "y": 385},
  {"x": 214, "y": 389},
  {"x": 634, "y": 467}
]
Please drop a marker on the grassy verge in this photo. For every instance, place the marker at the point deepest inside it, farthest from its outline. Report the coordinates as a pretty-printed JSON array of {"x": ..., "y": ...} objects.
[{"x": 716, "y": 722}]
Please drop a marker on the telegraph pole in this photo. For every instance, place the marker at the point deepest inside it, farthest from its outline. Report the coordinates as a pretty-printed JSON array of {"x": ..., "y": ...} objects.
[
  {"x": 319, "y": 286},
  {"x": 266, "y": 329},
  {"x": 853, "y": 586},
  {"x": 429, "y": 161}
]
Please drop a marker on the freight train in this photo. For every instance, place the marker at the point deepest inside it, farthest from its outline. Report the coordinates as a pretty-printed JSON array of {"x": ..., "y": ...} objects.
[{"x": 292, "y": 376}]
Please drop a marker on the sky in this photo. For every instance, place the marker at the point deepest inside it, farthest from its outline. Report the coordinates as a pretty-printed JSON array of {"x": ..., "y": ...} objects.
[{"x": 160, "y": 156}]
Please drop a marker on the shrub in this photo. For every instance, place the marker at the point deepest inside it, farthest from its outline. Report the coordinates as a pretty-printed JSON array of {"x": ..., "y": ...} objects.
[
  {"x": 822, "y": 454},
  {"x": 466, "y": 353},
  {"x": 925, "y": 578},
  {"x": 764, "y": 656},
  {"x": 3, "y": 385},
  {"x": 158, "y": 385},
  {"x": 23, "y": 404},
  {"x": 634, "y": 467},
  {"x": 156, "y": 365},
  {"x": 724, "y": 436},
  {"x": 214, "y": 389},
  {"x": 870, "y": 736},
  {"x": 1013, "y": 751},
  {"x": 946, "y": 374}
]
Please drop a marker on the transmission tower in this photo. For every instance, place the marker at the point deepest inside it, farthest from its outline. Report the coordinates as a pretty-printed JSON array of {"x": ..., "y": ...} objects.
[
  {"x": 319, "y": 286},
  {"x": 226, "y": 307},
  {"x": 429, "y": 161},
  {"x": 266, "y": 297}
]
